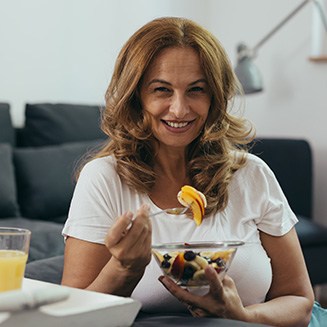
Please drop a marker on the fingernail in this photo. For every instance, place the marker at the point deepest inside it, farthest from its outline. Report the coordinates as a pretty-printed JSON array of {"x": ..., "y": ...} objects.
[
  {"x": 129, "y": 215},
  {"x": 164, "y": 280}
]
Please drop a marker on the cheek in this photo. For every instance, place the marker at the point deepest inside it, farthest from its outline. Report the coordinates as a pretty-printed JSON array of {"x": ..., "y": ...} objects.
[
  {"x": 202, "y": 121},
  {"x": 204, "y": 112},
  {"x": 203, "y": 103},
  {"x": 152, "y": 120},
  {"x": 154, "y": 108}
]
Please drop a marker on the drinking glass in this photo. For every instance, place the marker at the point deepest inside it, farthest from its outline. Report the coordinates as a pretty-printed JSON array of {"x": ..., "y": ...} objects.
[{"x": 14, "y": 248}]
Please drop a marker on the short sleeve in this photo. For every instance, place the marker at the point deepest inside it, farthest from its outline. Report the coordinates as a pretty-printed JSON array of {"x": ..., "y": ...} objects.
[
  {"x": 94, "y": 203},
  {"x": 277, "y": 217}
]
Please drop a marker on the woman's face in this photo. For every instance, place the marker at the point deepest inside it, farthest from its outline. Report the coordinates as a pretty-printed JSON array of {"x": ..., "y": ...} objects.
[{"x": 176, "y": 95}]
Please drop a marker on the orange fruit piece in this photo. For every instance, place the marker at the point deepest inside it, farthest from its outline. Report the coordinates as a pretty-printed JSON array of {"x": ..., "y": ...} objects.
[
  {"x": 190, "y": 197},
  {"x": 177, "y": 268}
]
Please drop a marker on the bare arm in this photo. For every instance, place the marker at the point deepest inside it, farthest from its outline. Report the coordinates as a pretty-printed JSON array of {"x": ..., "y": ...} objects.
[
  {"x": 290, "y": 298},
  {"x": 116, "y": 267}
]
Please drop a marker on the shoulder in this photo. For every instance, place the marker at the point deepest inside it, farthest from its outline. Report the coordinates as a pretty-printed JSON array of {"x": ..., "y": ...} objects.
[
  {"x": 100, "y": 165},
  {"x": 99, "y": 171},
  {"x": 254, "y": 174},
  {"x": 254, "y": 165}
]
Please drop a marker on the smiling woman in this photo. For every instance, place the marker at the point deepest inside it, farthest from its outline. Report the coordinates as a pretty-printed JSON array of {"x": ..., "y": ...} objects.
[{"x": 168, "y": 117}]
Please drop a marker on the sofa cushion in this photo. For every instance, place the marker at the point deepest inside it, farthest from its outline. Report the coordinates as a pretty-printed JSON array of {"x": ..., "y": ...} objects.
[
  {"x": 8, "y": 197},
  {"x": 311, "y": 233},
  {"x": 291, "y": 161},
  {"x": 45, "y": 178},
  {"x": 57, "y": 123},
  {"x": 46, "y": 238},
  {"x": 47, "y": 270},
  {"x": 7, "y": 131}
]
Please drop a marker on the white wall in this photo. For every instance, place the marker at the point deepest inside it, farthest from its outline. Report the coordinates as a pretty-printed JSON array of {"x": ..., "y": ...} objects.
[{"x": 64, "y": 51}]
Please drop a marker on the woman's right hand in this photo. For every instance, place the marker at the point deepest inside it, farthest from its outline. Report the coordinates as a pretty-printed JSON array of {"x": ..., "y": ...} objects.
[
  {"x": 129, "y": 240},
  {"x": 113, "y": 268}
]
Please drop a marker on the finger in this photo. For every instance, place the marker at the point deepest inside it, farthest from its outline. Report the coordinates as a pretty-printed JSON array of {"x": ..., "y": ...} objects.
[
  {"x": 228, "y": 282},
  {"x": 216, "y": 286},
  {"x": 140, "y": 227},
  {"x": 143, "y": 214},
  {"x": 139, "y": 233},
  {"x": 138, "y": 238},
  {"x": 118, "y": 230},
  {"x": 197, "y": 312}
]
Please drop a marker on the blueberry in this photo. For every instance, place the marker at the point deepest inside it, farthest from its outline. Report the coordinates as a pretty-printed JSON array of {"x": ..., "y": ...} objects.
[
  {"x": 188, "y": 273},
  {"x": 189, "y": 255},
  {"x": 167, "y": 256},
  {"x": 165, "y": 264},
  {"x": 220, "y": 262}
]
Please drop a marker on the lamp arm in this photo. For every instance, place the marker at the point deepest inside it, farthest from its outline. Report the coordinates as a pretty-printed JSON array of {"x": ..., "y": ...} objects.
[
  {"x": 280, "y": 25},
  {"x": 286, "y": 19}
]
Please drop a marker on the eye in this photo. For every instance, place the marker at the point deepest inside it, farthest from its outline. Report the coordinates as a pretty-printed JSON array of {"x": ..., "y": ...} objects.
[
  {"x": 196, "y": 89},
  {"x": 161, "y": 89}
]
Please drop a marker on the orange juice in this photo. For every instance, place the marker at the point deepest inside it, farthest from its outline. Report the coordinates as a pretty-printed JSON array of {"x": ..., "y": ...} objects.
[{"x": 12, "y": 268}]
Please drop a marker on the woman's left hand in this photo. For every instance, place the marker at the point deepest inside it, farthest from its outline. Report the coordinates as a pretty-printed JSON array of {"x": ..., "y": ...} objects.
[{"x": 222, "y": 299}]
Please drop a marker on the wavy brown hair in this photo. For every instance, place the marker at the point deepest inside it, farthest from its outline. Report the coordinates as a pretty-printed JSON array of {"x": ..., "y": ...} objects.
[{"x": 211, "y": 157}]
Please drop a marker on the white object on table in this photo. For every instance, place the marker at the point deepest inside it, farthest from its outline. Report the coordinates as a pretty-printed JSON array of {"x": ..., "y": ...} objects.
[
  {"x": 81, "y": 305},
  {"x": 18, "y": 300}
]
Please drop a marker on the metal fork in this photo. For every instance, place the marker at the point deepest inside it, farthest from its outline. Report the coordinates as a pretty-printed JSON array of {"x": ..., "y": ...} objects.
[{"x": 171, "y": 211}]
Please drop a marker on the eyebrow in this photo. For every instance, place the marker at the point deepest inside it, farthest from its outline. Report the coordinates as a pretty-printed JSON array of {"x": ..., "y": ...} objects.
[{"x": 201, "y": 80}]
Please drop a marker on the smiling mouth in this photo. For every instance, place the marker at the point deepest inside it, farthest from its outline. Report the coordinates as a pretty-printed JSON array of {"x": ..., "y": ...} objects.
[{"x": 175, "y": 124}]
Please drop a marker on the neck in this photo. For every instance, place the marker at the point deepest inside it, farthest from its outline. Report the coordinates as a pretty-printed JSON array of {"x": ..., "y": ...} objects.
[{"x": 171, "y": 165}]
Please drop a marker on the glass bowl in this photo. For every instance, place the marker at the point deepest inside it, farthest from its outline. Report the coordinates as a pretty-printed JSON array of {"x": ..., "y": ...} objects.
[{"x": 185, "y": 262}]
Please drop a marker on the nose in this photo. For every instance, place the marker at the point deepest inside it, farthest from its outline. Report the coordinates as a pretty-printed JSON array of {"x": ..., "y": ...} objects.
[{"x": 179, "y": 106}]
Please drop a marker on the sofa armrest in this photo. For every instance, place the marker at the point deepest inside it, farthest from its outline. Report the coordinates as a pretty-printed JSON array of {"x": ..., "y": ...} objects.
[
  {"x": 291, "y": 162},
  {"x": 47, "y": 270}
]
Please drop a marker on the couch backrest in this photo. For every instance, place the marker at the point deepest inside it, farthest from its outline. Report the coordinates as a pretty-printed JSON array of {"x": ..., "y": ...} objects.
[
  {"x": 7, "y": 131},
  {"x": 8, "y": 194},
  {"x": 58, "y": 123},
  {"x": 37, "y": 171},
  {"x": 291, "y": 161},
  {"x": 45, "y": 178}
]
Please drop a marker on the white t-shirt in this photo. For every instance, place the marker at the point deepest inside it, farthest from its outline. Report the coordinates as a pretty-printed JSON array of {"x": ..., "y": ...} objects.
[{"x": 256, "y": 202}]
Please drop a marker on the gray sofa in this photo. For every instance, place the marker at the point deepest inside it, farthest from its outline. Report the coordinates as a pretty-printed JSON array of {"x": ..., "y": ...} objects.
[{"x": 37, "y": 165}]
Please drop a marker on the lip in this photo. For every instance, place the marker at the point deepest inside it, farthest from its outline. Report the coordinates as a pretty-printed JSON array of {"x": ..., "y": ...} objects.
[{"x": 177, "y": 129}]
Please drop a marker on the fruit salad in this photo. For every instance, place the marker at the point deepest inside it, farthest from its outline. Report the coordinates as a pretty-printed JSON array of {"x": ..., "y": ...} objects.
[{"x": 186, "y": 267}]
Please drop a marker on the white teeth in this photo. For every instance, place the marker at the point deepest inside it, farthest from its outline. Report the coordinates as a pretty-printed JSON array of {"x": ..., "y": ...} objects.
[{"x": 176, "y": 125}]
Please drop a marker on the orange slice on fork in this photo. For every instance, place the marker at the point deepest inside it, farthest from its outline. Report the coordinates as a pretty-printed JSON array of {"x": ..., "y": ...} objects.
[{"x": 190, "y": 197}]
